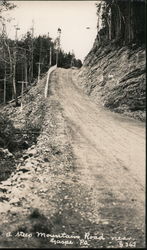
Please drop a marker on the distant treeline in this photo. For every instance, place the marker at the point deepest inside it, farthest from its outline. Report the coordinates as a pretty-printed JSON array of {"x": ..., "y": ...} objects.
[{"x": 19, "y": 62}]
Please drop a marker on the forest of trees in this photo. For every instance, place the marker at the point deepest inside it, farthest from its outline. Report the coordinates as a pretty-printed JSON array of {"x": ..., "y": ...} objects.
[
  {"x": 27, "y": 59},
  {"x": 122, "y": 21}
]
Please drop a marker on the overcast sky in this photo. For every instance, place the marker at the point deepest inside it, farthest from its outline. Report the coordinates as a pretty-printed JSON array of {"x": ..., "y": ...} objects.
[{"x": 71, "y": 16}]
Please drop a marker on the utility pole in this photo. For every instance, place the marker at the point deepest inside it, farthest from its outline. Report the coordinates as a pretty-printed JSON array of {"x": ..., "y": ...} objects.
[
  {"x": 40, "y": 59},
  {"x": 57, "y": 44},
  {"x": 50, "y": 53},
  {"x": 23, "y": 82},
  {"x": 50, "y": 56},
  {"x": 39, "y": 63},
  {"x": 22, "y": 92}
]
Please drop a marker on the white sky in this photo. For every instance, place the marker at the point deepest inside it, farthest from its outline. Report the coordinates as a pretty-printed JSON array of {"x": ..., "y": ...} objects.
[{"x": 71, "y": 16}]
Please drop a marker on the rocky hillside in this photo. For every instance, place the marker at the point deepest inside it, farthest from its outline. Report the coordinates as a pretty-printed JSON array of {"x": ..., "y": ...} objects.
[{"x": 113, "y": 73}]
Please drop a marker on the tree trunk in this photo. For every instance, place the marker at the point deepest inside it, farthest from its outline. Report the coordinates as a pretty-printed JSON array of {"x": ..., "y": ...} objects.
[
  {"x": 14, "y": 84},
  {"x": 10, "y": 61},
  {"x": 26, "y": 74},
  {"x": 129, "y": 21},
  {"x": 14, "y": 77},
  {"x": 22, "y": 91},
  {"x": 4, "y": 78},
  {"x": 5, "y": 89}
]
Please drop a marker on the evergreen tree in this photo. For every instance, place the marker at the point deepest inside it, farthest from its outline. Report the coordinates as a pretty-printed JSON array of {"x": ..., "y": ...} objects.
[{"x": 122, "y": 21}]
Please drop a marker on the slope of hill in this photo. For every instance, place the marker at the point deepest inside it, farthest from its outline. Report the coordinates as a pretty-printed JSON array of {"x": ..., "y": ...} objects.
[{"x": 113, "y": 72}]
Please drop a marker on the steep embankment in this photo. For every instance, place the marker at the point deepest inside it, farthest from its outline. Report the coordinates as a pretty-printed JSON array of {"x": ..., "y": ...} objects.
[
  {"x": 20, "y": 128},
  {"x": 115, "y": 76},
  {"x": 43, "y": 158}
]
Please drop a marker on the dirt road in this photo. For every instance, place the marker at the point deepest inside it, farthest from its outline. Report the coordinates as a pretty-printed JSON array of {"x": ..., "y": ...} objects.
[
  {"x": 109, "y": 153},
  {"x": 82, "y": 184},
  {"x": 117, "y": 142}
]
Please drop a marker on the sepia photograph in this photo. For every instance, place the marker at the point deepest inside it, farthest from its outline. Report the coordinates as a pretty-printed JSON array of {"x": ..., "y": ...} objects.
[{"x": 72, "y": 124}]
